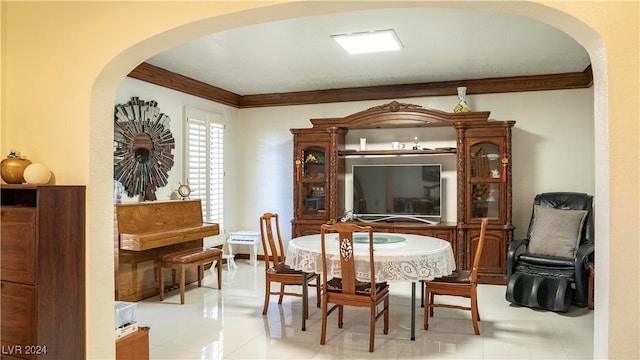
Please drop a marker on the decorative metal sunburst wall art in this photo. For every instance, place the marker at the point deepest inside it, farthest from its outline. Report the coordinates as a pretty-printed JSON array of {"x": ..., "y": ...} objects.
[{"x": 143, "y": 146}]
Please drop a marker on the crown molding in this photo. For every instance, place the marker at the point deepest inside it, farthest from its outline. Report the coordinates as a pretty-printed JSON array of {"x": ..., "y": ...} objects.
[
  {"x": 165, "y": 78},
  {"x": 161, "y": 77}
]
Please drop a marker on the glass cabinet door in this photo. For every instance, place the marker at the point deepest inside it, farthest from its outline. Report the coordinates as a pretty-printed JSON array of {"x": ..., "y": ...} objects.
[
  {"x": 485, "y": 201},
  {"x": 313, "y": 163},
  {"x": 485, "y": 181},
  {"x": 486, "y": 160},
  {"x": 313, "y": 199},
  {"x": 313, "y": 182}
]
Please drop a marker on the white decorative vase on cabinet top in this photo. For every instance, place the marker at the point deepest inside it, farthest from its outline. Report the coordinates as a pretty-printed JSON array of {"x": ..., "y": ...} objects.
[{"x": 462, "y": 101}]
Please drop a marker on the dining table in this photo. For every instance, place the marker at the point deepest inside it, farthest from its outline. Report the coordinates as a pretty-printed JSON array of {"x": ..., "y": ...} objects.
[{"x": 398, "y": 257}]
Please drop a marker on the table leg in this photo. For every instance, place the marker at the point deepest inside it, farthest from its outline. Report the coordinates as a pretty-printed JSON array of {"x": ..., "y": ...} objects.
[
  {"x": 254, "y": 254},
  {"x": 230, "y": 247},
  {"x": 413, "y": 311},
  {"x": 304, "y": 301}
]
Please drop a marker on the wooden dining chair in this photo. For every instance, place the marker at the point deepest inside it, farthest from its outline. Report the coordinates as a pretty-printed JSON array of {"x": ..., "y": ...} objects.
[
  {"x": 348, "y": 290},
  {"x": 461, "y": 283},
  {"x": 275, "y": 269}
]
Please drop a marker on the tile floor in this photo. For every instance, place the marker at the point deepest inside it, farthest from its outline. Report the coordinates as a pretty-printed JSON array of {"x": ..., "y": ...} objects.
[{"x": 228, "y": 324}]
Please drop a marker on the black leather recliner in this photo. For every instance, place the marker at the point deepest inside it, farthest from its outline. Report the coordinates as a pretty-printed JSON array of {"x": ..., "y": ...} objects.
[{"x": 551, "y": 282}]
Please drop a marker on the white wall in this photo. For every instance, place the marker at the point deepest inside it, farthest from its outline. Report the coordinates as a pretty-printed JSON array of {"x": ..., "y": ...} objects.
[
  {"x": 552, "y": 146},
  {"x": 172, "y": 103}
]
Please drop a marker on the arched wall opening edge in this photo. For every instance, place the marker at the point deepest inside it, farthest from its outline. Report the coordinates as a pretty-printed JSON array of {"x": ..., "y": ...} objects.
[{"x": 100, "y": 218}]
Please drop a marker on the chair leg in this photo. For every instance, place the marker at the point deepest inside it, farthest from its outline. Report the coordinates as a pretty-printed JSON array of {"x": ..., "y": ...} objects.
[
  {"x": 386, "y": 315},
  {"x": 182, "y": 281},
  {"x": 474, "y": 312},
  {"x": 428, "y": 307},
  {"x": 219, "y": 265},
  {"x": 432, "y": 300},
  {"x": 323, "y": 333},
  {"x": 161, "y": 279},
  {"x": 340, "y": 314},
  {"x": 318, "y": 296},
  {"x": 281, "y": 293},
  {"x": 267, "y": 291},
  {"x": 372, "y": 326},
  {"x": 200, "y": 275}
]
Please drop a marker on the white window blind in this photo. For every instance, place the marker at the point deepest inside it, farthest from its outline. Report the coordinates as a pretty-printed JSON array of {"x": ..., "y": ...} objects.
[{"x": 204, "y": 162}]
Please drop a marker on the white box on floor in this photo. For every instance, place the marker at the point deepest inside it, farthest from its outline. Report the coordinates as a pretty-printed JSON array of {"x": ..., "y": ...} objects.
[{"x": 125, "y": 313}]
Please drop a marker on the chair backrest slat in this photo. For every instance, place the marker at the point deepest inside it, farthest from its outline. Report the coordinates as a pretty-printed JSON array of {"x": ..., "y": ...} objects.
[
  {"x": 476, "y": 258},
  {"x": 271, "y": 244},
  {"x": 346, "y": 250},
  {"x": 347, "y": 262}
]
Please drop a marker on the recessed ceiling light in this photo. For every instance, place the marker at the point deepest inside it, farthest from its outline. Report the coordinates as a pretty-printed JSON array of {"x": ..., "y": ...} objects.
[{"x": 369, "y": 42}]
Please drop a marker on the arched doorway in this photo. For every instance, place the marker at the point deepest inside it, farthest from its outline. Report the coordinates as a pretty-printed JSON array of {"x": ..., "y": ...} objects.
[{"x": 106, "y": 84}]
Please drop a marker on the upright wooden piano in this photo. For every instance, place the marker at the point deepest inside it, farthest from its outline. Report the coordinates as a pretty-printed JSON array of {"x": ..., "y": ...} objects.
[{"x": 143, "y": 232}]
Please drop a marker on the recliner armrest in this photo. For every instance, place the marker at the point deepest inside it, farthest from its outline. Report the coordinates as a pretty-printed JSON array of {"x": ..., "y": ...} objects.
[
  {"x": 582, "y": 273},
  {"x": 583, "y": 256},
  {"x": 512, "y": 253}
]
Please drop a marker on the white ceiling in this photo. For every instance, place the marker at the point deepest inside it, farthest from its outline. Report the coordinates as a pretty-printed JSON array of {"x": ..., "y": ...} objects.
[{"x": 439, "y": 45}]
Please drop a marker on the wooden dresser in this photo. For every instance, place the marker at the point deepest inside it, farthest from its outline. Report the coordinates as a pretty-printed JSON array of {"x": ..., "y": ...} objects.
[
  {"x": 42, "y": 266},
  {"x": 147, "y": 230}
]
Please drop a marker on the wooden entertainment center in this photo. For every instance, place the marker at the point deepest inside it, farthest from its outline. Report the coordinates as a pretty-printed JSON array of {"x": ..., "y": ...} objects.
[{"x": 483, "y": 178}]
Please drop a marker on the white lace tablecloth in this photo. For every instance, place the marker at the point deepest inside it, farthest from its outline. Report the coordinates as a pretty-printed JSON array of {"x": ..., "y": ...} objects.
[{"x": 414, "y": 259}]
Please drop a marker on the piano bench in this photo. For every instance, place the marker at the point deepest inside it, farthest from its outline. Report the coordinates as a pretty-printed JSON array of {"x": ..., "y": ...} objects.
[{"x": 188, "y": 258}]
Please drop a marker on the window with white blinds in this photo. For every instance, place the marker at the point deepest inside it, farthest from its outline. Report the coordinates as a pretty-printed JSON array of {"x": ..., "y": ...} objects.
[{"x": 204, "y": 161}]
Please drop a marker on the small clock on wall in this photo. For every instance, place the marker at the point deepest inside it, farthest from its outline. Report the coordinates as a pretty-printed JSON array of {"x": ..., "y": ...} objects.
[
  {"x": 143, "y": 146},
  {"x": 184, "y": 190}
]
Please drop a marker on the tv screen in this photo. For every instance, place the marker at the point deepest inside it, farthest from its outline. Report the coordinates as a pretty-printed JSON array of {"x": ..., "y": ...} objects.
[{"x": 397, "y": 192}]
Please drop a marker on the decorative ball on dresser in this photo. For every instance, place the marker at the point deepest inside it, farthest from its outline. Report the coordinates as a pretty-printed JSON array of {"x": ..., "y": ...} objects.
[{"x": 37, "y": 173}]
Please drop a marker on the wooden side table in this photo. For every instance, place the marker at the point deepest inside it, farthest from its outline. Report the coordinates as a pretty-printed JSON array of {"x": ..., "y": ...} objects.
[
  {"x": 245, "y": 237},
  {"x": 592, "y": 278}
]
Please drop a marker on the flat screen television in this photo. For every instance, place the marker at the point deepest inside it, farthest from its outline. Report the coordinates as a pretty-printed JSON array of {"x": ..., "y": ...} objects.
[{"x": 397, "y": 192}]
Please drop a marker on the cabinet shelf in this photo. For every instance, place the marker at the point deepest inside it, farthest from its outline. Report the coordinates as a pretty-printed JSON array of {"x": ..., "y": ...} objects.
[
  {"x": 446, "y": 151},
  {"x": 481, "y": 180},
  {"x": 314, "y": 180}
]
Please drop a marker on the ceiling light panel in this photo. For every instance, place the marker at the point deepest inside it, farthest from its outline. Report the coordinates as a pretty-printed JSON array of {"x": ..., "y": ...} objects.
[{"x": 369, "y": 42}]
